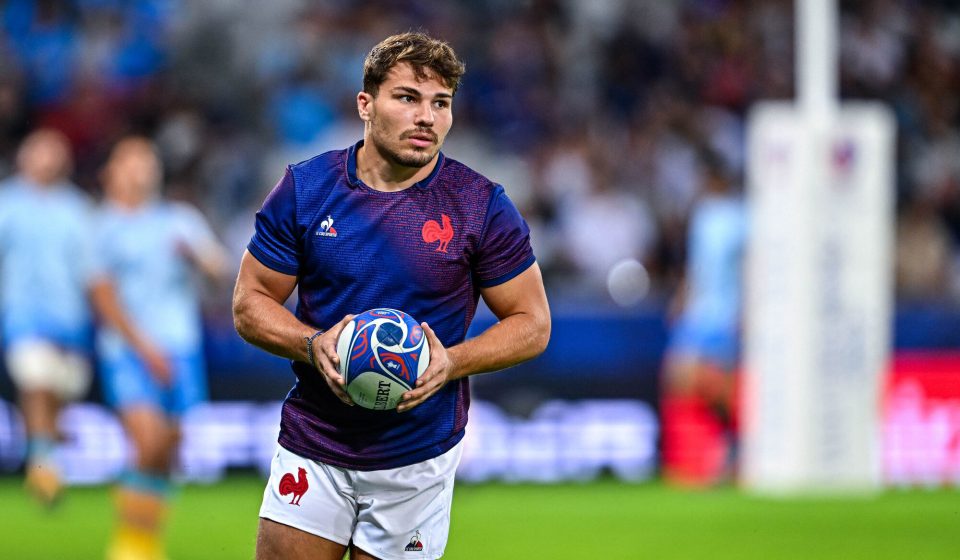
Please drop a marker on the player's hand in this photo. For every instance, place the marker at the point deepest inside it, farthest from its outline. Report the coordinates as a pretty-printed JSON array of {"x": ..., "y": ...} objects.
[
  {"x": 157, "y": 363},
  {"x": 436, "y": 375},
  {"x": 328, "y": 362}
]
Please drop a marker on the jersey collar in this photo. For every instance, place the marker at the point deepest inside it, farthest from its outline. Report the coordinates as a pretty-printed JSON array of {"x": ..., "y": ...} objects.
[{"x": 355, "y": 181}]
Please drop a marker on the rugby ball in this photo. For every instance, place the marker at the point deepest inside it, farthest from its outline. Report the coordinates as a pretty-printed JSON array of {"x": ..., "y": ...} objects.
[{"x": 382, "y": 354}]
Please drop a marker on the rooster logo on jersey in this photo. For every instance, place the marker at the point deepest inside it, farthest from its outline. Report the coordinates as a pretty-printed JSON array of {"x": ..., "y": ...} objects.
[{"x": 432, "y": 231}]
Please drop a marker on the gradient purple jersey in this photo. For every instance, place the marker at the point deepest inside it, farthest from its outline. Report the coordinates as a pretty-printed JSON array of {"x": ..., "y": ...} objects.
[{"x": 426, "y": 250}]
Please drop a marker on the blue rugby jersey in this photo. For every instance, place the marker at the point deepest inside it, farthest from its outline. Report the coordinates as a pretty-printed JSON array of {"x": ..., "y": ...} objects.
[{"x": 426, "y": 250}]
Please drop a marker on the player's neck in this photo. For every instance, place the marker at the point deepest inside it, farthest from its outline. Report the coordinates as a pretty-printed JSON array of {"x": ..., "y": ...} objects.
[
  {"x": 380, "y": 174},
  {"x": 43, "y": 182},
  {"x": 131, "y": 203}
]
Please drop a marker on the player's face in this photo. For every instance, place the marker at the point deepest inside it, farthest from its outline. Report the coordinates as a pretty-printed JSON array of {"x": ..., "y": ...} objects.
[
  {"x": 133, "y": 173},
  {"x": 409, "y": 118},
  {"x": 45, "y": 157}
]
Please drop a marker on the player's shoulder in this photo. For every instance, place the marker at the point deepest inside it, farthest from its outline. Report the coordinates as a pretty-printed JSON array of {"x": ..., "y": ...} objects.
[
  {"x": 6, "y": 198},
  {"x": 730, "y": 207},
  {"x": 464, "y": 179},
  {"x": 76, "y": 198},
  {"x": 13, "y": 188},
  {"x": 327, "y": 164},
  {"x": 182, "y": 213},
  {"x": 179, "y": 207},
  {"x": 7, "y": 188}
]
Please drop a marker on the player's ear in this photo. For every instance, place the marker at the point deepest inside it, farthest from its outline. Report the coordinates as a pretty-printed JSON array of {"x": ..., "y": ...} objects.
[{"x": 364, "y": 105}]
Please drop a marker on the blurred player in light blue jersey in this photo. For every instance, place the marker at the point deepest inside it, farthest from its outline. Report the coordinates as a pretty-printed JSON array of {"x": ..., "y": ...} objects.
[
  {"x": 703, "y": 353},
  {"x": 150, "y": 345},
  {"x": 45, "y": 267}
]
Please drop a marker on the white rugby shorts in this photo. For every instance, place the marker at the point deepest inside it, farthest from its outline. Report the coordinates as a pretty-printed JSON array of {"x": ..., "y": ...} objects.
[
  {"x": 36, "y": 364},
  {"x": 394, "y": 514}
]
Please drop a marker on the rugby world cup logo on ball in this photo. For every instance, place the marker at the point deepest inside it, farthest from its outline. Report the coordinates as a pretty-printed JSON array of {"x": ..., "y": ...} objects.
[{"x": 382, "y": 353}]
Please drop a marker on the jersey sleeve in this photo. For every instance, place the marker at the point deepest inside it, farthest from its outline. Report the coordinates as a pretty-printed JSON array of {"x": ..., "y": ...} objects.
[
  {"x": 505, "y": 249},
  {"x": 194, "y": 231},
  {"x": 275, "y": 240}
]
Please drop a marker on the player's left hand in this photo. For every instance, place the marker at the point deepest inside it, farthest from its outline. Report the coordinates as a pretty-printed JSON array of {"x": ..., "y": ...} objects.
[{"x": 436, "y": 375}]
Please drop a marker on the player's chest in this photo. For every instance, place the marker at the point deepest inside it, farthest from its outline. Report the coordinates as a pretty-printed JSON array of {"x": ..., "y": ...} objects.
[
  {"x": 35, "y": 226},
  {"x": 409, "y": 238},
  {"x": 144, "y": 246}
]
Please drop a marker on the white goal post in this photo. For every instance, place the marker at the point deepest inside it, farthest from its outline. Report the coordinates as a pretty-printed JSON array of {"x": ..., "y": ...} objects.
[{"x": 819, "y": 287}]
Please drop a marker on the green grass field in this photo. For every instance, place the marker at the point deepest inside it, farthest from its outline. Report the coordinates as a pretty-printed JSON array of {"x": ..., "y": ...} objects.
[{"x": 590, "y": 521}]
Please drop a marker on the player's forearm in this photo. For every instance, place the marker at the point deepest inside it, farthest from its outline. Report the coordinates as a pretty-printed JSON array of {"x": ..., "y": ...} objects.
[
  {"x": 513, "y": 340},
  {"x": 107, "y": 306},
  {"x": 263, "y": 322},
  {"x": 212, "y": 261},
  {"x": 213, "y": 265}
]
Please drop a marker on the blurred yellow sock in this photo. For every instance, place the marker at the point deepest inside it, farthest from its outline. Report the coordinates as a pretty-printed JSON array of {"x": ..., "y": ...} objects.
[
  {"x": 131, "y": 543},
  {"x": 140, "y": 526}
]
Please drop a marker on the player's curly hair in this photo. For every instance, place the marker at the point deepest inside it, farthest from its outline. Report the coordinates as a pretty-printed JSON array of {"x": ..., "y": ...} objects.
[{"x": 419, "y": 50}]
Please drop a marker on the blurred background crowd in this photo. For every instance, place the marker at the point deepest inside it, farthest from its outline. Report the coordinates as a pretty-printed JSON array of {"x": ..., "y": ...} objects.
[{"x": 600, "y": 118}]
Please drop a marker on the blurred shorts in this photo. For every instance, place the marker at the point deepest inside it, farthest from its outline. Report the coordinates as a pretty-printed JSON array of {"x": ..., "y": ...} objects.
[
  {"x": 37, "y": 364},
  {"x": 393, "y": 514},
  {"x": 128, "y": 383}
]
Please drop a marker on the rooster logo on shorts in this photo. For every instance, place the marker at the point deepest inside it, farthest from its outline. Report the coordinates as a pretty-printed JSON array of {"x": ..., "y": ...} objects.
[
  {"x": 296, "y": 486},
  {"x": 415, "y": 544}
]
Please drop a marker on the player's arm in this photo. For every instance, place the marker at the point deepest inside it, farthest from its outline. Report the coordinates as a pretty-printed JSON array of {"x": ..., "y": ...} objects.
[
  {"x": 106, "y": 304},
  {"x": 521, "y": 334},
  {"x": 261, "y": 319},
  {"x": 199, "y": 245},
  {"x": 211, "y": 260}
]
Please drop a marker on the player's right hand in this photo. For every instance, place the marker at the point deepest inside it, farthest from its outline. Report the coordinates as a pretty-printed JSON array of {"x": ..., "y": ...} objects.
[
  {"x": 156, "y": 362},
  {"x": 328, "y": 362}
]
